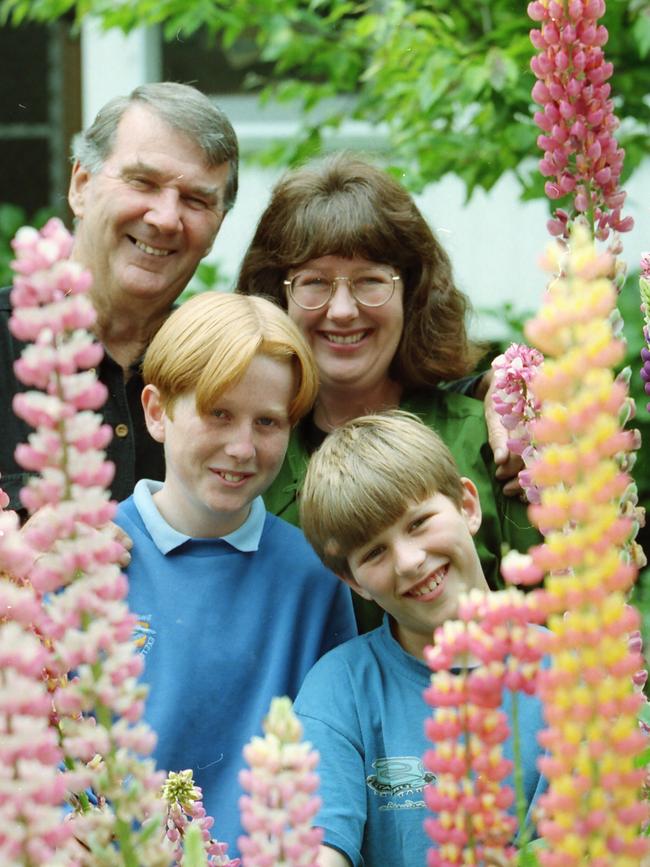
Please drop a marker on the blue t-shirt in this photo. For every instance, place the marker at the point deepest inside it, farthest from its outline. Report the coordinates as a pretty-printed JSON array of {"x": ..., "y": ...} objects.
[
  {"x": 224, "y": 625},
  {"x": 362, "y": 707}
]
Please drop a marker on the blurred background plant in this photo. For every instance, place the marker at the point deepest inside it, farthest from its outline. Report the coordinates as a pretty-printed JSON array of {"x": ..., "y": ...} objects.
[
  {"x": 446, "y": 84},
  {"x": 12, "y": 217},
  {"x": 209, "y": 276}
]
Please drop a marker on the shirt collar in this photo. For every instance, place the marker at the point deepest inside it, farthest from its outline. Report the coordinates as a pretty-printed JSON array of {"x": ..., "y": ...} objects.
[
  {"x": 166, "y": 538},
  {"x": 398, "y": 651}
]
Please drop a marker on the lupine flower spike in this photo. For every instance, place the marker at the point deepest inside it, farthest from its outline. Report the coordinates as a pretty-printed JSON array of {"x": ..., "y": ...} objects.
[
  {"x": 277, "y": 813},
  {"x": 593, "y": 809},
  {"x": 31, "y": 788},
  {"x": 493, "y": 649},
  {"x": 581, "y": 157},
  {"x": 644, "y": 286},
  {"x": 184, "y": 801},
  {"x": 81, "y": 589}
]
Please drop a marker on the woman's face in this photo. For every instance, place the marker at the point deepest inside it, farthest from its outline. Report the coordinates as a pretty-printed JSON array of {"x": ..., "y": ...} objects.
[{"x": 353, "y": 345}]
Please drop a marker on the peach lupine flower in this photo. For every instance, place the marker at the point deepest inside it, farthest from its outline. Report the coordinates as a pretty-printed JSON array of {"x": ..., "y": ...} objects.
[
  {"x": 278, "y": 811},
  {"x": 593, "y": 810},
  {"x": 644, "y": 287},
  {"x": 493, "y": 647},
  {"x": 85, "y": 621},
  {"x": 581, "y": 157}
]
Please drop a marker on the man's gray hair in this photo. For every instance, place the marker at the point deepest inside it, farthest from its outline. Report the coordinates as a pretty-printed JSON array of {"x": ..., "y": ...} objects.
[{"x": 185, "y": 109}]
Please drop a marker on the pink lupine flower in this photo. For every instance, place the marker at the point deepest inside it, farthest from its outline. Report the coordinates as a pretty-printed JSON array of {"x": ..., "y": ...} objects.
[
  {"x": 277, "y": 813},
  {"x": 491, "y": 648},
  {"x": 184, "y": 804},
  {"x": 84, "y": 618},
  {"x": 581, "y": 157},
  {"x": 31, "y": 788}
]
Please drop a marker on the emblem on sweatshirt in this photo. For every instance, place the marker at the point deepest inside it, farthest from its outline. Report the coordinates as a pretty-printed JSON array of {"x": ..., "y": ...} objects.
[
  {"x": 398, "y": 775},
  {"x": 143, "y": 634}
]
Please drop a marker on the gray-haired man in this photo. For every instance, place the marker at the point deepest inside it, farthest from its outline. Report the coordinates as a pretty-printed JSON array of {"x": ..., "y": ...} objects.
[{"x": 152, "y": 180}]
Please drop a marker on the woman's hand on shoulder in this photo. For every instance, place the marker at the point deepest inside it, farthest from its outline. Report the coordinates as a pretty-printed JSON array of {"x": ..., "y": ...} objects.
[{"x": 508, "y": 464}]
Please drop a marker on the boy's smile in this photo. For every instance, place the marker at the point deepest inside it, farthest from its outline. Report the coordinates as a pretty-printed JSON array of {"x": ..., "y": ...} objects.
[
  {"x": 216, "y": 464},
  {"x": 417, "y": 567},
  {"x": 431, "y": 587}
]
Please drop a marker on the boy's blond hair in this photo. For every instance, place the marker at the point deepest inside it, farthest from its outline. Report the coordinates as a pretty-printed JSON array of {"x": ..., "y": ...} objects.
[
  {"x": 364, "y": 477},
  {"x": 208, "y": 343}
]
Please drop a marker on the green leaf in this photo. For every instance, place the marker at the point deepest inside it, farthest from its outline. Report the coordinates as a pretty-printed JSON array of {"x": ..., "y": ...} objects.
[
  {"x": 644, "y": 714},
  {"x": 148, "y": 831},
  {"x": 194, "y": 852},
  {"x": 641, "y": 33},
  {"x": 527, "y": 857},
  {"x": 642, "y": 759}
]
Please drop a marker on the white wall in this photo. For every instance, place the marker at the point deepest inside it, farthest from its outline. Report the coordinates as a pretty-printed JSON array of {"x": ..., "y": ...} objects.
[{"x": 113, "y": 63}]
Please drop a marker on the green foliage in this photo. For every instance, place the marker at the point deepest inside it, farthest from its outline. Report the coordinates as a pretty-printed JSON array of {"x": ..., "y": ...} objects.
[
  {"x": 194, "y": 851},
  {"x": 207, "y": 277},
  {"x": 527, "y": 857},
  {"x": 644, "y": 717},
  {"x": 12, "y": 217},
  {"x": 449, "y": 80}
]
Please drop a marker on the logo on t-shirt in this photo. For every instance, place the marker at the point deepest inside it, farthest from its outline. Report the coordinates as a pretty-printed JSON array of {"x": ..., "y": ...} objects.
[
  {"x": 143, "y": 634},
  {"x": 399, "y": 775}
]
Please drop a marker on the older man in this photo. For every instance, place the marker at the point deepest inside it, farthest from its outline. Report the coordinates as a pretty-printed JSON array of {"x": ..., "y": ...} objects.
[{"x": 152, "y": 180}]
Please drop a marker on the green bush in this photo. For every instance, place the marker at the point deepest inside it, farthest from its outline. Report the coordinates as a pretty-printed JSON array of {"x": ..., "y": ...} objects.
[{"x": 12, "y": 217}]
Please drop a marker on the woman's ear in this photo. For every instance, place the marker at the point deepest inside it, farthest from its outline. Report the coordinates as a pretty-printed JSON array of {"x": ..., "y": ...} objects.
[
  {"x": 471, "y": 505},
  {"x": 155, "y": 415}
]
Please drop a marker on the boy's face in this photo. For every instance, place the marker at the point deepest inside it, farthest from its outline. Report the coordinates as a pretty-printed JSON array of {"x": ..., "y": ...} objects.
[
  {"x": 417, "y": 568},
  {"x": 217, "y": 464}
]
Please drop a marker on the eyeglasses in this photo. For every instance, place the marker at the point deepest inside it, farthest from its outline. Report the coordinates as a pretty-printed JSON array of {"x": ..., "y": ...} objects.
[{"x": 313, "y": 291}]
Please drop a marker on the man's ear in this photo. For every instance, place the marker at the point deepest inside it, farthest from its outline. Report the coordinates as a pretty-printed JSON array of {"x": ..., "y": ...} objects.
[
  {"x": 154, "y": 412},
  {"x": 358, "y": 589},
  {"x": 77, "y": 189},
  {"x": 471, "y": 505}
]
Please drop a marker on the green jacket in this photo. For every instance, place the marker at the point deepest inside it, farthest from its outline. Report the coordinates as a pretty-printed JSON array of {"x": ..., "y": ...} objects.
[{"x": 459, "y": 420}]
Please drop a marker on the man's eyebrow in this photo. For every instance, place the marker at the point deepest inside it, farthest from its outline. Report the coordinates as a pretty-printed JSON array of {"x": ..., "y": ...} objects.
[
  {"x": 139, "y": 166},
  {"x": 208, "y": 192}
]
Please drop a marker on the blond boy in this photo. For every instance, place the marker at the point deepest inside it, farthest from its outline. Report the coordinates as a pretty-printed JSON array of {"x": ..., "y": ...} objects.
[{"x": 233, "y": 605}]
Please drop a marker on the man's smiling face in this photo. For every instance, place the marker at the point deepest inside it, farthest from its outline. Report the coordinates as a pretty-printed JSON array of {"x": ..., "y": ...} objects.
[{"x": 149, "y": 215}]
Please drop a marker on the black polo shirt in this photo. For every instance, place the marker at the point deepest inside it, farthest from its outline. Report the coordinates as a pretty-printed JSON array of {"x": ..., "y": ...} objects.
[{"x": 135, "y": 454}]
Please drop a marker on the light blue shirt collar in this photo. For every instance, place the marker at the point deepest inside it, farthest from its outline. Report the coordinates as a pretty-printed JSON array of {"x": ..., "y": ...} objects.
[{"x": 166, "y": 538}]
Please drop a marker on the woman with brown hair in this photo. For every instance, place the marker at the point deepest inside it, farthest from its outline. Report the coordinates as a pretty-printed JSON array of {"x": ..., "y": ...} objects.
[{"x": 344, "y": 249}]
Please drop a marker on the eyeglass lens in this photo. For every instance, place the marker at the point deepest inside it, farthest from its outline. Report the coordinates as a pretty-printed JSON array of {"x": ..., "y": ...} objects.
[{"x": 312, "y": 291}]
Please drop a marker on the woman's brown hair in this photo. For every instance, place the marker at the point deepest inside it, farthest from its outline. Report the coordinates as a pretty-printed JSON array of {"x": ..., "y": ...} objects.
[{"x": 344, "y": 206}]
